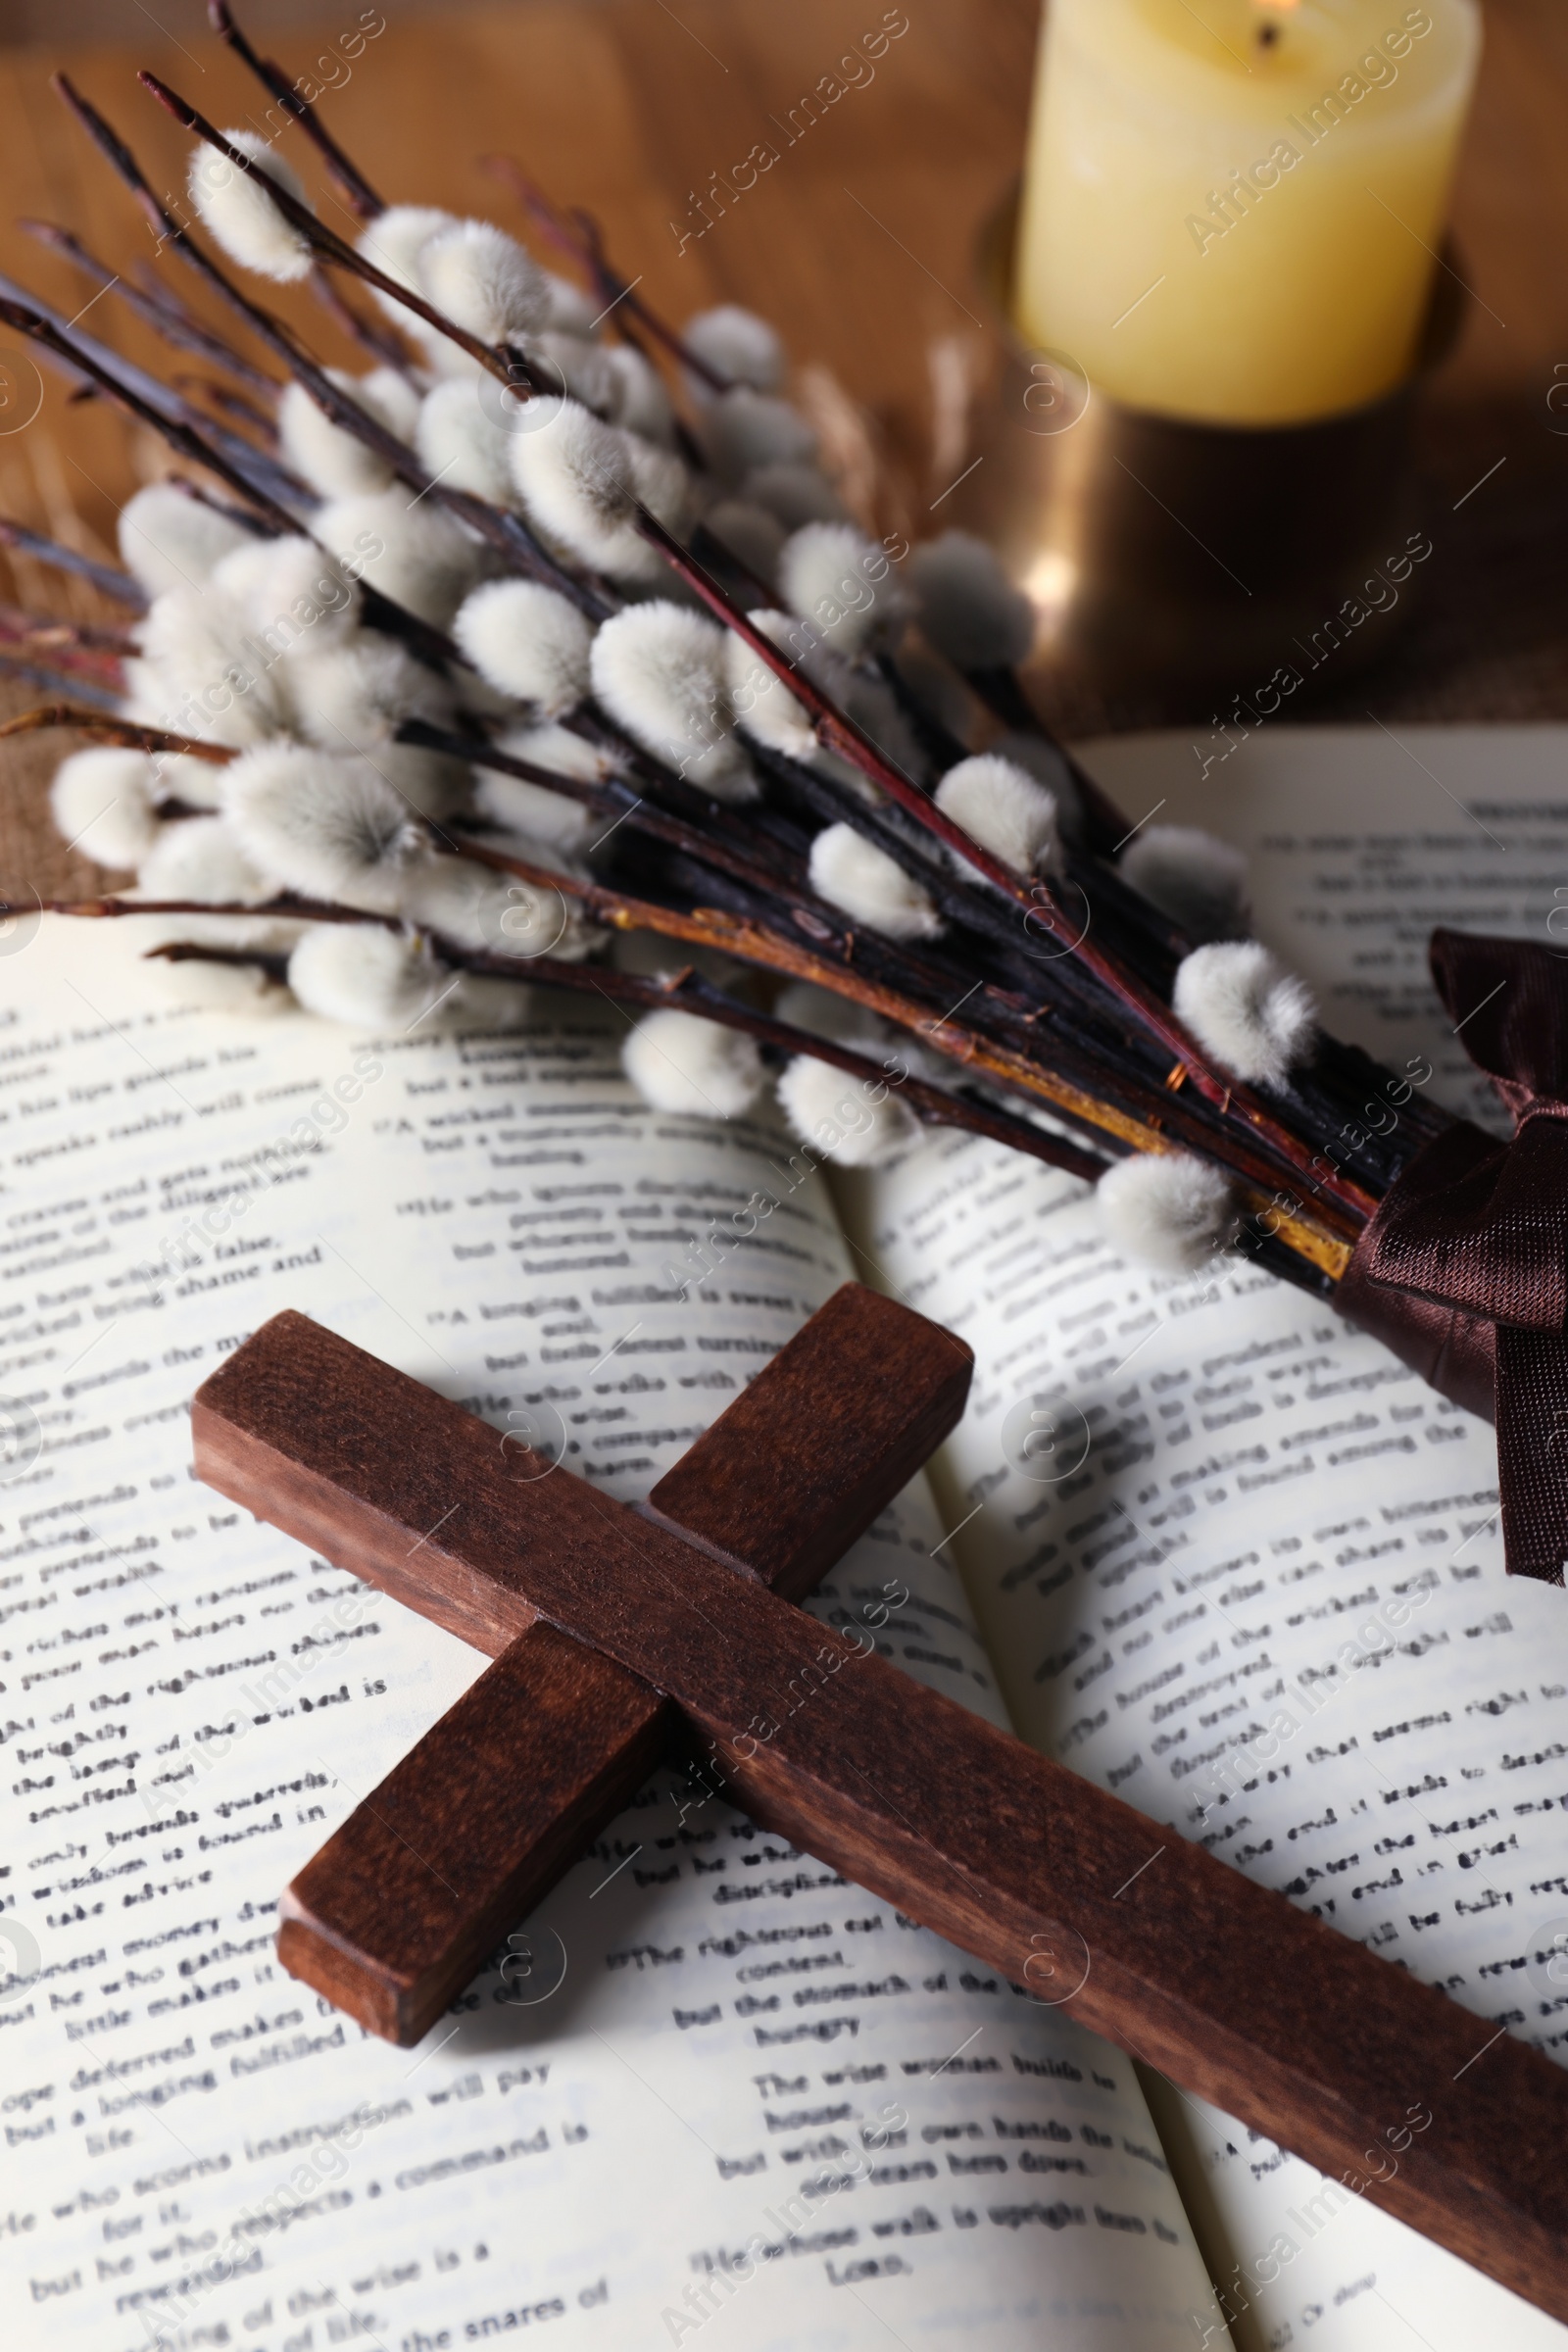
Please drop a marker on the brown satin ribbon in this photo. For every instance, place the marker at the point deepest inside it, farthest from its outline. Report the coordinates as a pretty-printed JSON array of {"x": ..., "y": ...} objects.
[{"x": 1464, "y": 1272}]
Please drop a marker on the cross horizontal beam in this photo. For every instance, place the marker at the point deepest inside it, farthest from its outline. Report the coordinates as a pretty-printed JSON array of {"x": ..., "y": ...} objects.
[
  {"x": 1221, "y": 1983},
  {"x": 465, "y": 1837}
]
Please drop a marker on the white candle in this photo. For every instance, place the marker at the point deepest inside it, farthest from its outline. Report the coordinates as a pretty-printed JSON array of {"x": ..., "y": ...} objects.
[{"x": 1232, "y": 206}]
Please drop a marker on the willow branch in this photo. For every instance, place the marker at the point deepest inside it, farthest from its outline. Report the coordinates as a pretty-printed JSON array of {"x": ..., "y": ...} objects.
[
  {"x": 354, "y": 189},
  {"x": 579, "y": 234},
  {"x": 1035, "y": 900},
  {"x": 685, "y": 992},
  {"x": 45, "y": 677},
  {"x": 95, "y": 654},
  {"x": 180, "y": 436},
  {"x": 328, "y": 245},
  {"x": 689, "y": 992},
  {"x": 120, "y": 586},
  {"x": 234, "y": 405},
  {"x": 1137, "y": 1120},
  {"x": 380, "y": 611},
  {"x": 634, "y": 810},
  {"x": 111, "y": 730},
  {"x": 1004, "y": 696},
  {"x": 285, "y": 905},
  {"x": 1306, "y": 1230},
  {"x": 507, "y": 531},
  {"x": 168, "y": 317}
]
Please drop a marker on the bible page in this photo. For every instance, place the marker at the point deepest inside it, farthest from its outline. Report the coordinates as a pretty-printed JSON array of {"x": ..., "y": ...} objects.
[
  {"x": 709, "y": 2091},
  {"x": 1233, "y": 1560}
]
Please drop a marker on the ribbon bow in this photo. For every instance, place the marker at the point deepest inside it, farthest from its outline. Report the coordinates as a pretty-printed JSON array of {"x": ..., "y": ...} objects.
[{"x": 1464, "y": 1269}]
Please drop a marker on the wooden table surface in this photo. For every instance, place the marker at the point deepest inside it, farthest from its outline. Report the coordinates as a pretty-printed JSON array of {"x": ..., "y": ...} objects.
[{"x": 859, "y": 242}]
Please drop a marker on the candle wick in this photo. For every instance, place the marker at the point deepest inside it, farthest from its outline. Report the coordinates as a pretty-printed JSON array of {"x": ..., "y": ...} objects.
[{"x": 1267, "y": 36}]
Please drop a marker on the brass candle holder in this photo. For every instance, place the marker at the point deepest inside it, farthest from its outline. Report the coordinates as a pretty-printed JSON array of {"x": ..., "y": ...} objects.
[{"x": 1183, "y": 558}]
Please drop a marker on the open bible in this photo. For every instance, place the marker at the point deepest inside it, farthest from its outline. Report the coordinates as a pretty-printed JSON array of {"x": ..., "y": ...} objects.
[{"x": 1195, "y": 1536}]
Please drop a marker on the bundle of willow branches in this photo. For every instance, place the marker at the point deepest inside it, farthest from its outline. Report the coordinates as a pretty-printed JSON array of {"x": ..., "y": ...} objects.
[{"x": 525, "y": 657}]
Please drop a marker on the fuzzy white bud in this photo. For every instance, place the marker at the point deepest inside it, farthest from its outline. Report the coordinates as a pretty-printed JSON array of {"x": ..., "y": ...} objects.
[
  {"x": 171, "y": 540},
  {"x": 661, "y": 671},
  {"x": 743, "y": 429},
  {"x": 581, "y": 481},
  {"x": 328, "y": 828},
  {"x": 763, "y": 703},
  {"x": 551, "y": 819},
  {"x": 103, "y": 802},
  {"x": 414, "y": 552},
  {"x": 795, "y": 495},
  {"x": 579, "y": 367},
  {"x": 1041, "y": 759},
  {"x": 483, "y": 280},
  {"x": 530, "y": 642},
  {"x": 737, "y": 345},
  {"x": 545, "y": 821},
  {"x": 476, "y": 907},
  {"x": 967, "y": 606},
  {"x": 855, "y": 1122},
  {"x": 235, "y": 207},
  {"x": 749, "y": 533},
  {"x": 1249, "y": 1014},
  {"x": 364, "y": 976},
  {"x": 639, "y": 402},
  {"x": 1005, "y": 811},
  {"x": 680, "y": 1063},
  {"x": 870, "y": 887},
  {"x": 201, "y": 857},
  {"x": 333, "y": 461},
  {"x": 461, "y": 444},
  {"x": 294, "y": 597},
  {"x": 1171, "y": 1211},
  {"x": 392, "y": 243},
  {"x": 353, "y": 697},
  {"x": 479, "y": 907},
  {"x": 839, "y": 580},
  {"x": 204, "y": 672},
  {"x": 1195, "y": 879},
  {"x": 571, "y": 310}
]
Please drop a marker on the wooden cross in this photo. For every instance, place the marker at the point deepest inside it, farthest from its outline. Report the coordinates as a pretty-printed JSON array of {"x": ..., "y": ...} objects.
[{"x": 615, "y": 1628}]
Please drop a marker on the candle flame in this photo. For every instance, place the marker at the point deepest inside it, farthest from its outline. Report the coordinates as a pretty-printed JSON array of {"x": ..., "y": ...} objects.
[{"x": 1279, "y": 7}]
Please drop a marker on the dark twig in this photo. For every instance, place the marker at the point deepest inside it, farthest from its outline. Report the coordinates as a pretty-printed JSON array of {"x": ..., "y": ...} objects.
[
  {"x": 111, "y": 729},
  {"x": 1035, "y": 900},
  {"x": 45, "y": 680},
  {"x": 155, "y": 308},
  {"x": 892, "y": 983},
  {"x": 1087, "y": 1038},
  {"x": 1316, "y": 1235},
  {"x": 75, "y": 646},
  {"x": 354, "y": 189},
  {"x": 685, "y": 991},
  {"x": 180, "y": 436},
  {"x": 1106, "y": 827},
  {"x": 508, "y": 532},
  {"x": 328, "y": 245},
  {"x": 120, "y": 586},
  {"x": 579, "y": 234}
]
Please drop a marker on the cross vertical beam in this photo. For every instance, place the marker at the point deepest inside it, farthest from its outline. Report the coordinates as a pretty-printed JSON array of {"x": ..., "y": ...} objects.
[{"x": 1223, "y": 1984}]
